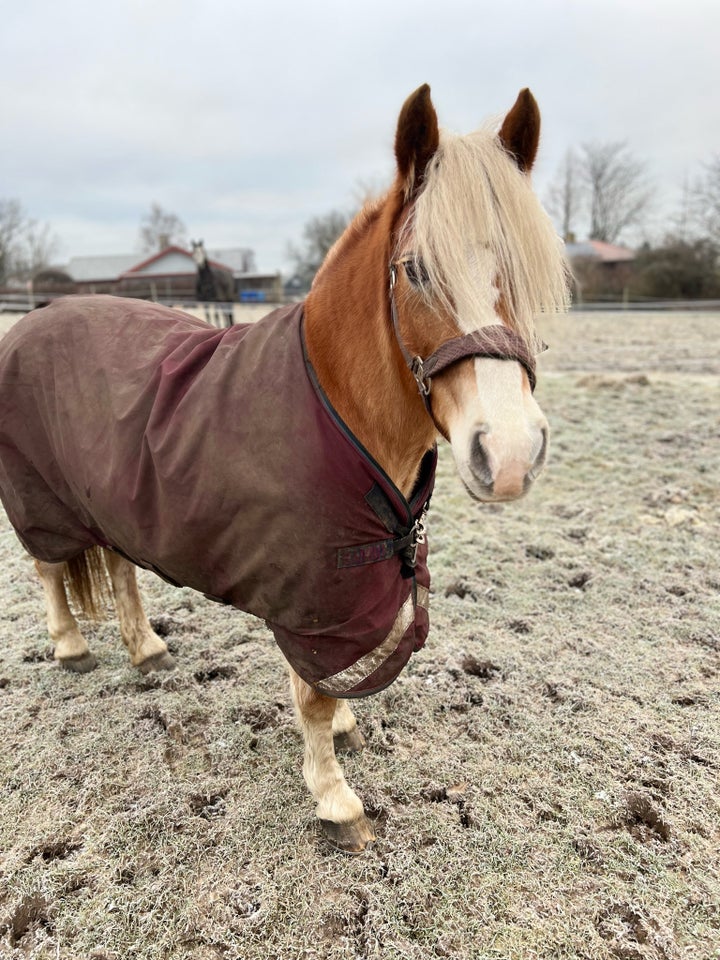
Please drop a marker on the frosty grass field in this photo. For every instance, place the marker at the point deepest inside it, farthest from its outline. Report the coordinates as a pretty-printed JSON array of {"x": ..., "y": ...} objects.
[{"x": 545, "y": 776}]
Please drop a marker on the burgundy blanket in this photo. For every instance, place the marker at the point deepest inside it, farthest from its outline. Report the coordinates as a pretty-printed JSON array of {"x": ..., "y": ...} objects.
[{"x": 213, "y": 458}]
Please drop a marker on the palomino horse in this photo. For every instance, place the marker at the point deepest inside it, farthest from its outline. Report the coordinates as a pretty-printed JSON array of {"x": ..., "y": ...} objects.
[{"x": 286, "y": 467}]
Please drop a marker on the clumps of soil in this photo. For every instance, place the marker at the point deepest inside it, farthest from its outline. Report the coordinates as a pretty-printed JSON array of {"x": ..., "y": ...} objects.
[
  {"x": 711, "y": 641},
  {"x": 216, "y": 672},
  {"x": 598, "y": 381},
  {"x": 33, "y": 913},
  {"x": 630, "y": 934},
  {"x": 691, "y": 700},
  {"x": 39, "y": 655},
  {"x": 164, "y": 625},
  {"x": 460, "y": 588},
  {"x": 258, "y": 717},
  {"x": 209, "y": 806},
  {"x": 644, "y": 820},
  {"x": 455, "y": 794},
  {"x": 484, "y": 669},
  {"x": 587, "y": 849},
  {"x": 552, "y": 692},
  {"x": 172, "y": 727},
  {"x": 55, "y": 850},
  {"x": 539, "y": 552},
  {"x": 579, "y": 534}
]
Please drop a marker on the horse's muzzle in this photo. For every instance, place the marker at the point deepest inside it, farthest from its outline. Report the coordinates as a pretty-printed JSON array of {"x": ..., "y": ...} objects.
[{"x": 498, "y": 475}]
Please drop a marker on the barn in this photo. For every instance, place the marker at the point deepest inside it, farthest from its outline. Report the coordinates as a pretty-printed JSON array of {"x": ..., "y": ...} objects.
[
  {"x": 171, "y": 274},
  {"x": 601, "y": 271}
]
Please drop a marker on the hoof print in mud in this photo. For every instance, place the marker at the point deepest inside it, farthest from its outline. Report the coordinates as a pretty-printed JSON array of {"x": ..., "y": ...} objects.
[
  {"x": 484, "y": 669},
  {"x": 645, "y": 820},
  {"x": 220, "y": 672},
  {"x": 32, "y": 913}
]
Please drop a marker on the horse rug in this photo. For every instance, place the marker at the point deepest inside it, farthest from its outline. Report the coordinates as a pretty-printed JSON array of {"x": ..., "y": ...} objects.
[{"x": 214, "y": 458}]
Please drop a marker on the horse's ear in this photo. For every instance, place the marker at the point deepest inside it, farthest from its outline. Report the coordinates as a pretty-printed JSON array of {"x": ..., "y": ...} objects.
[
  {"x": 416, "y": 139},
  {"x": 520, "y": 132}
]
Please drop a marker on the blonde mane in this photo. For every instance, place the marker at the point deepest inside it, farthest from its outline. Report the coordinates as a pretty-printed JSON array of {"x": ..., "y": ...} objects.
[{"x": 476, "y": 209}]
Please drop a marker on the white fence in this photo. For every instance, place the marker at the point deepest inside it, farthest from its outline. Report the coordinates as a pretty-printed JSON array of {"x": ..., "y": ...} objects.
[{"x": 217, "y": 314}]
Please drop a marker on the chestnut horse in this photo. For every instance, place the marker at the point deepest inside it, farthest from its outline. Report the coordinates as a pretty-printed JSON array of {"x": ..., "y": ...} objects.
[{"x": 419, "y": 324}]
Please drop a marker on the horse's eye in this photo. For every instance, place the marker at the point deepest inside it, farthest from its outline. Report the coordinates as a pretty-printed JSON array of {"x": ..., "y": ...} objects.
[{"x": 416, "y": 273}]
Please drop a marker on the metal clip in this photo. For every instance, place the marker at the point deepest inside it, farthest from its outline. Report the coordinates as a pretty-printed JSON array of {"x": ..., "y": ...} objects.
[
  {"x": 419, "y": 532},
  {"x": 418, "y": 371}
]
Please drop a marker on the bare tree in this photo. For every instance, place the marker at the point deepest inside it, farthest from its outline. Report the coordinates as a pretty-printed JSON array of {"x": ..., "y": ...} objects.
[
  {"x": 566, "y": 199},
  {"x": 705, "y": 201},
  {"x": 319, "y": 234},
  {"x": 25, "y": 245},
  {"x": 11, "y": 222},
  {"x": 160, "y": 229},
  {"x": 616, "y": 186}
]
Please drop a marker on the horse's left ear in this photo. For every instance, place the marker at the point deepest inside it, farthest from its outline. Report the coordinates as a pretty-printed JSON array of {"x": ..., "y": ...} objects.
[
  {"x": 416, "y": 139},
  {"x": 520, "y": 132}
]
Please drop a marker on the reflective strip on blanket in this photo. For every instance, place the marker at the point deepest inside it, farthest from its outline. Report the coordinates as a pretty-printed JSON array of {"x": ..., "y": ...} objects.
[{"x": 360, "y": 670}]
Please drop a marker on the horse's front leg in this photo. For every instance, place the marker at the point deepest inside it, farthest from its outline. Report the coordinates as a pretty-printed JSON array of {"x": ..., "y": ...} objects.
[
  {"x": 147, "y": 651},
  {"x": 339, "y": 810}
]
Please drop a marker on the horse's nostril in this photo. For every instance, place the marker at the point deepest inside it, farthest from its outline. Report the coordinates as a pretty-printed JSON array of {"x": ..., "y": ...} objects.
[
  {"x": 479, "y": 460},
  {"x": 539, "y": 460}
]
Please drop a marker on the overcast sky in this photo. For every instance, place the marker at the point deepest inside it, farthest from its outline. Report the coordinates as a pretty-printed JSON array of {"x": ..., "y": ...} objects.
[{"x": 246, "y": 119}]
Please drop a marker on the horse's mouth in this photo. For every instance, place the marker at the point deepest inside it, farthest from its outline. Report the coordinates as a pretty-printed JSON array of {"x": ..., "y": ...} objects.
[{"x": 486, "y": 494}]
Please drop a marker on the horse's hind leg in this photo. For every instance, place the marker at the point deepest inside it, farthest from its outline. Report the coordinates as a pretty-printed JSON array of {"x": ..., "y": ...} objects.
[
  {"x": 71, "y": 649},
  {"x": 147, "y": 651},
  {"x": 338, "y": 808}
]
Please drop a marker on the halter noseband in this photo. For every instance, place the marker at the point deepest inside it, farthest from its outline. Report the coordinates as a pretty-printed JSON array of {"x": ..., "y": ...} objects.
[{"x": 495, "y": 342}]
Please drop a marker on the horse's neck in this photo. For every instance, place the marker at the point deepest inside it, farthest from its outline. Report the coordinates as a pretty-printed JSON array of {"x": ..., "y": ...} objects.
[{"x": 353, "y": 351}]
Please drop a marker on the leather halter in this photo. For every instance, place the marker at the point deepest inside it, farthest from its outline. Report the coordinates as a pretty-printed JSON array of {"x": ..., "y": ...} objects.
[{"x": 495, "y": 342}]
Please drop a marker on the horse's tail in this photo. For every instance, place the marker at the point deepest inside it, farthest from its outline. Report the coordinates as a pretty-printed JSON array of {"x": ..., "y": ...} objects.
[{"x": 86, "y": 578}]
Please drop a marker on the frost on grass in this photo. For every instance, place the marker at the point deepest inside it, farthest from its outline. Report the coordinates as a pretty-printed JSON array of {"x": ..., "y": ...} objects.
[{"x": 543, "y": 775}]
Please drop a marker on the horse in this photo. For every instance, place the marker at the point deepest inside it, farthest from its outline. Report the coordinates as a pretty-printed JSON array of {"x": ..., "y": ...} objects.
[
  {"x": 286, "y": 467},
  {"x": 213, "y": 284}
]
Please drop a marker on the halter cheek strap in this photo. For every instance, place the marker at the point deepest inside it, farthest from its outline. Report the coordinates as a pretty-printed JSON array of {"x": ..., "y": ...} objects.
[{"x": 495, "y": 342}]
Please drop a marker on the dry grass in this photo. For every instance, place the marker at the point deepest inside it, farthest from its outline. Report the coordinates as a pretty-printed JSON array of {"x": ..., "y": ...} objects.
[{"x": 544, "y": 775}]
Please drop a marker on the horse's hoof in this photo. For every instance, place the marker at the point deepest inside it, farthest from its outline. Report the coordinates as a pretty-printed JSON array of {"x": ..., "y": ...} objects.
[
  {"x": 82, "y": 663},
  {"x": 158, "y": 661},
  {"x": 349, "y": 742},
  {"x": 353, "y": 837}
]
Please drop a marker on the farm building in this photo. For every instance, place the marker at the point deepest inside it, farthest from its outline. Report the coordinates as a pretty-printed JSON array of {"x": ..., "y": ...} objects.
[
  {"x": 171, "y": 274},
  {"x": 600, "y": 270}
]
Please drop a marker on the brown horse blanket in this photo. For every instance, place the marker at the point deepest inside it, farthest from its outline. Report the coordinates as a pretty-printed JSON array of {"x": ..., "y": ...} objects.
[{"x": 214, "y": 458}]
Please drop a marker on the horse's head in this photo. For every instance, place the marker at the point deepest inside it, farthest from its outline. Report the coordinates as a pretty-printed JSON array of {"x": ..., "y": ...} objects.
[
  {"x": 475, "y": 260},
  {"x": 198, "y": 253}
]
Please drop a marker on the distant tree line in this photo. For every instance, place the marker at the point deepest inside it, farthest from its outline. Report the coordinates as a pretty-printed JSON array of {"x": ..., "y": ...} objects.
[
  {"x": 603, "y": 186},
  {"x": 25, "y": 245}
]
